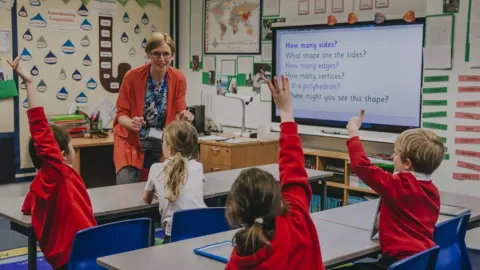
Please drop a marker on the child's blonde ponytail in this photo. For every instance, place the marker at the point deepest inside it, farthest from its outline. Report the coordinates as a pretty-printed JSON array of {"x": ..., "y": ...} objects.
[{"x": 176, "y": 174}]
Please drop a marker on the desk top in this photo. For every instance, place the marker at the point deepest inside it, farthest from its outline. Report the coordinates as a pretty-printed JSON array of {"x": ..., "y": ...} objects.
[
  {"x": 472, "y": 238},
  {"x": 85, "y": 142},
  {"x": 473, "y": 203},
  {"x": 338, "y": 243}
]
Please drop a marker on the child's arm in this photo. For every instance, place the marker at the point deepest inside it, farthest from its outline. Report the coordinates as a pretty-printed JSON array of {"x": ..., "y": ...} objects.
[
  {"x": 149, "y": 190},
  {"x": 376, "y": 178},
  {"x": 293, "y": 177}
]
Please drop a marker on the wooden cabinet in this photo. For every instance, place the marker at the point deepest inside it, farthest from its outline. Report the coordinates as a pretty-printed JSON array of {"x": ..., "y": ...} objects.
[{"x": 221, "y": 156}]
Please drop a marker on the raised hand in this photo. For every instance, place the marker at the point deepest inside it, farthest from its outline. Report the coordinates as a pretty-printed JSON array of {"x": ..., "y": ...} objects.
[
  {"x": 354, "y": 124},
  {"x": 283, "y": 97},
  {"x": 137, "y": 123},
  {"x": 15, "y": 64}
]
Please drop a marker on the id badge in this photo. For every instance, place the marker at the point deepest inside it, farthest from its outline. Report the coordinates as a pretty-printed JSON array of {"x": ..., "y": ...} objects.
[{"x": 155, "y": 133}]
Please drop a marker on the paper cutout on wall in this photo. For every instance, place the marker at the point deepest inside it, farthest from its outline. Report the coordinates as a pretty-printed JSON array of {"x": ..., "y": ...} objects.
[
  {"x": 34, "y": 71},
  {"x": 380, "y": 18},
  {"x": 155, "y": 2},
  {"x": 467, "y": 153},
  {"x": 471, "y": 116},
  {"x": 50, "y": 58},
  {"x": 85, "y": 41},
  {"x": 126, "y": 18},
  {"x": 137, "y": 29},
  {"x": 467, "y": 104},
  {"x": 409, "y": 16},
  {"x": 63, "y": 74},
  {"x": 331, "y": 20},
  {"x": 25, "y": 103},
  {"x": 37, "y": 21},
  {"x": 467, "y": 140},
  {"x": 123, "y": 2},
  {"x": 83, "y": 11},
  {"x": 441, "y": 78},
  {"x": 439, "y": 102},
  {"x": 109, "y": 83},
  {"x": 35, "y": 3},
  {"x": 77, "y": 76},
  {"x": 23, "y": 12},
  {"x": 62, "y": 94},
  {"x": 42, "y": 86},
  {"x": 468, "y": 128},
  {"x": 91, "y": 84},
  {"x": 132, "y": 52},
  {"x": 434, "y": 126},
  {"x": 87, "y": 61},
  {"x": 434, "y": 114},
  {"x": 466, "y": 176},
  {"x": 434, "y": 90},
  {"x": 81, "y": 98},
  {"x": 145, "y": 19},
  {"x": 41, "y": 43},
  {"x": 469, "y": 89},
  {"x": 144, "y": 43},
  {"x": 26, "y": 55},
  {"x": 27, "y": 35},
  {"x": 469, "y": 166},
  {"x": 86, "y": 25},
  {"x": 68, "y": 47},
  {"x": 23, "y": 85},
  {"x": 124, "y": 38},
  {"x": 468, "y": 78},
  {"x": 154, "y": 28},
  {"x": 352, "y": 18}
]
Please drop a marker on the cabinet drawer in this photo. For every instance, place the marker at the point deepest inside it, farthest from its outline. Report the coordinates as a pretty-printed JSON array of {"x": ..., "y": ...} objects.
[
  {"x": 215, "y": 155},
  {"x": 208, "y": 168}
]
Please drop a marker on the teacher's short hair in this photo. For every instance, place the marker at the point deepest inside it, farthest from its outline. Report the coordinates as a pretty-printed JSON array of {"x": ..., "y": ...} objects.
[{"x": 158, "y": 39}]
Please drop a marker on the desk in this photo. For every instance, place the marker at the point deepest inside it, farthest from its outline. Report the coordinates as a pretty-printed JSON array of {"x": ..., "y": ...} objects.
[
  {"x": 117, "y": 202},
  {"x": 338, "y": 243}
]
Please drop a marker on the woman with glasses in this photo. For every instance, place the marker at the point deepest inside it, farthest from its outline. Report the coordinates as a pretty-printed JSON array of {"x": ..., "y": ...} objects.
[{"x": 151, "y": 96}]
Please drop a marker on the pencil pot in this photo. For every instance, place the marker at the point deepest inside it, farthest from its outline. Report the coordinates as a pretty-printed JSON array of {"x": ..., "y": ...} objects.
[{"x": 93, "y": 125}]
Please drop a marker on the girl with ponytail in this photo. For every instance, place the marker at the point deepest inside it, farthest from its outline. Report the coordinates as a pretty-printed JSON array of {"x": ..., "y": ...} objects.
[
  {"x": 276, "y": 230},
  {"x": 179, "y": 179}
]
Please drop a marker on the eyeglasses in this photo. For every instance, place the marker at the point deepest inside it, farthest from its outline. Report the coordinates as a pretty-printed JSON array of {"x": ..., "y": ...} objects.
[{"x": 157, "y": 55}]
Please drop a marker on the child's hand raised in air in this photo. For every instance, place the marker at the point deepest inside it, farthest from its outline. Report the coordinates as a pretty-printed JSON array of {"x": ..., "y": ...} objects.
[
  {"x": 354, "y": 124},
  {"x": 16, "y": 66},
  {"x": 283, "y": 98}
]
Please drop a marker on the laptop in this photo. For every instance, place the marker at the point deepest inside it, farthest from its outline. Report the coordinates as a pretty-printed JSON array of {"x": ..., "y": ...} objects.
[{"x": 375, "y": 235}]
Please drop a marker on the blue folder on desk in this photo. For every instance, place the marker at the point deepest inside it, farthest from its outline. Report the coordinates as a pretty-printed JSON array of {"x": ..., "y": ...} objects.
[{"x": 219, "y": 251}]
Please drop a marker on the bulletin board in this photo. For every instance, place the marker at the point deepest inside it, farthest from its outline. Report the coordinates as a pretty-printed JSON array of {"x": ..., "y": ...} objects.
[{"x": 79, "y": 51}]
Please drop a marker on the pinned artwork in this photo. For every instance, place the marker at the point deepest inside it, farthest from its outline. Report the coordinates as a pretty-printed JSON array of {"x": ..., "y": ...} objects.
[
  {"x": 26, "y": 55},
  {"x": 68, "y": 47},
  {"x": 87, "y": 61},
  {"x": 50, "y": 58},
  {"x": 82, "y": 11},
  {"x": 332, "y": 20},
  {"x": 42, "y": 86},
  {"x": 409, "y": 16},
  {"x": 380, "y": 18},
  {"x": 124, "y": 37},
  {"x": 23, "y": 12},
  {"x": 85, "y": 41},
  {"x": 77, "y": 76},
  {"x": 145, "y": 19},
  {"x": 81, "y": 98},
  {"x": 137, "y": 29},
  {"x": 352, "y": 18},
  {"x": 144, "y": 43},
  {"x": 63, "y": 74},
  {"x": 126, "y": 18},
  {"x": 34, "y": 71},
  {"x": 37, "y": 21},
  {"x": 62, "y": 94},
  {"x": 27, "y": 36},
  {"x": 41, "y": 43},
  {"x": 132, "y": 52},
  {"x": 35, "y": 3},
  {"x": 86, "y": 25},
  {"x": 91, "y": 84},
  {"x": 25, "y": 103}
]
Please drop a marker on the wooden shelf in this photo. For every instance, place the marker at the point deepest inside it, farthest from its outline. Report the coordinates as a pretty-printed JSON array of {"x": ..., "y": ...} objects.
[
  {"x": 340, "y": 185},
  {"x": 325, "y": 153}
]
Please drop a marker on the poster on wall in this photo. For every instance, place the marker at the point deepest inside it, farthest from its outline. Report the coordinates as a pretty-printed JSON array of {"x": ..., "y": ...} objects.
[
  {"x": 451, "y": 6},
  {"x": 232, "y": 28},
  {"x": 267, "y": 27},
  {"x": 106, "y": 8},
  {"x": 61, "y": 20}
]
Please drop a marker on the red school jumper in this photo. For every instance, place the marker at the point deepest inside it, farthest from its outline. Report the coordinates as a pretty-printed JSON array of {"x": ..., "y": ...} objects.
[
  {"x": 58, "y": 200},
  {"x": 295, "y": 244},
  {"x": 409, "y": 208}
]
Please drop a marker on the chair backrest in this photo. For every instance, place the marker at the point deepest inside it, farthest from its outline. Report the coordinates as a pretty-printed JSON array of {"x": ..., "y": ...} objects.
[
  {"x": 450, "y": 237},
  {"x": 108, "y": 239},
  {"x": 197, "y": 222},
  {"x": 424, "y": 260},
  {"x": 462, "y": 232}
]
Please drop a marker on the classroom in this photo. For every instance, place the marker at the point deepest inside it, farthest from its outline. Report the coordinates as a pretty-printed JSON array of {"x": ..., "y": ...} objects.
[{"x": 239, "y": 134}]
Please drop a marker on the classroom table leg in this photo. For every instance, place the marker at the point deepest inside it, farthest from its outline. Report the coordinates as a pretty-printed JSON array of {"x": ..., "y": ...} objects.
[
  {"x": 323, "y": 203},
  {"x": 32, "y": 250},
  {"x": 76, "y": 162}
]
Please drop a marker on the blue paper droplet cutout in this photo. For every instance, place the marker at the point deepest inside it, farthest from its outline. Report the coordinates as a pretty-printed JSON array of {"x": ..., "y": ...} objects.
[
  {"x": 81, "y": 98},
  {"x": 23, "y": 12},
  {"x": 86, "y": 25},
  {"x": 34, "y": 71},
  {"x": 145, "y": 19},
  {"x": 87, "y": 61},
  {"x": 37, "y": 21},
  {"x": 50, "y": 58},
  {"x": 27, "y": 35},
  {"x": 68, "y": 47},
  {"x": 91, "y": 84},
  {"x": 83, "y": 11},
  {"x": 77, "y": 76},
  {"x": 126, "y": 18},
  {"x": 124, "y": 38},
  {"x": 62, "y": 94}
]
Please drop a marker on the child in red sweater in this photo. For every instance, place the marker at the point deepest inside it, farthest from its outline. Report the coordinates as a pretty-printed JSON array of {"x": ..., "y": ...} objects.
[
  {"x": 58, "y": 200},
  {"x": 410, "y": 202},
  {"x": 277, "y": 230}
]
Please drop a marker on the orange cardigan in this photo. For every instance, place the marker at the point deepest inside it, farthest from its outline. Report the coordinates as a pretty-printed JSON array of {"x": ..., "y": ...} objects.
[{"x": 130, "y": 102}]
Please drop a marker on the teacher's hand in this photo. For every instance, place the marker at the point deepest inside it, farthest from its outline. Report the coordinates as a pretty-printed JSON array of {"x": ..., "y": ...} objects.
[
  {"x": 185, "y": 115},
  {"x": 136, "y": 123}
]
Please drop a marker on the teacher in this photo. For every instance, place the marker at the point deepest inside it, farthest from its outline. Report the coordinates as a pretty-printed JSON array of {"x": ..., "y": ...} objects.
[{"x": 151, "y": 96}]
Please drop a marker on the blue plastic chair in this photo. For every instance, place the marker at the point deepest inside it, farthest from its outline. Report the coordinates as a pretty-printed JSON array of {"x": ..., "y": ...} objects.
[
  {"x": 198, "y": 222},
  {"x": 108, "y": 239},
  {"x": 450, "y": 237},
  {"x": 424, "y": 260}
]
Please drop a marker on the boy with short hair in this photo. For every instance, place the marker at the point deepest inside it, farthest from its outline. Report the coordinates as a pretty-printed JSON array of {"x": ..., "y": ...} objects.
[
  {"x": 58, "y": 200},
  {"x": 410, "y": 202}
]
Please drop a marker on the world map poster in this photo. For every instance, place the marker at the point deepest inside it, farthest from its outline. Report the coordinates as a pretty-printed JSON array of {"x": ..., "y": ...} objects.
[{"x": 233, "y": 26}]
